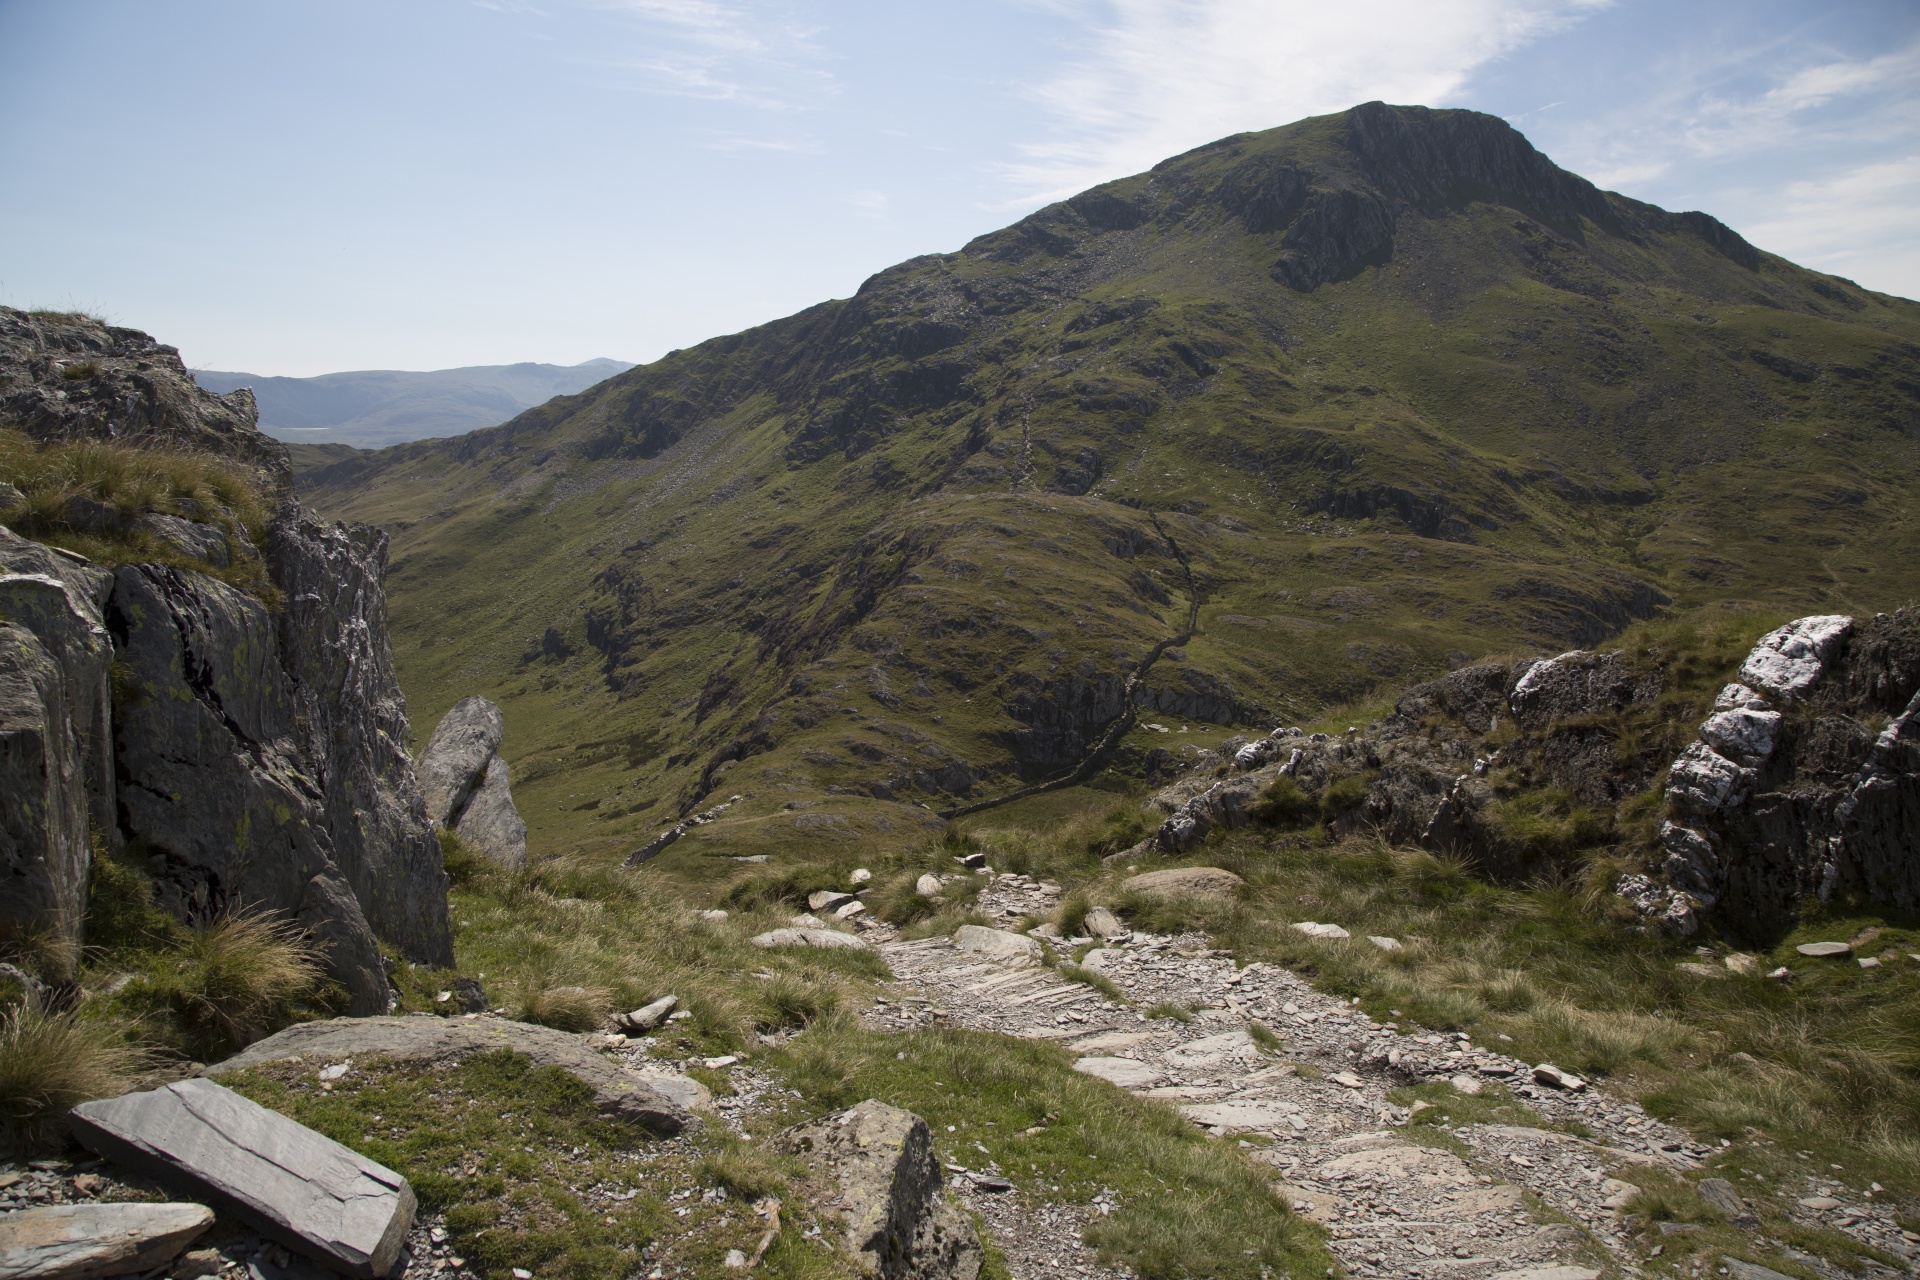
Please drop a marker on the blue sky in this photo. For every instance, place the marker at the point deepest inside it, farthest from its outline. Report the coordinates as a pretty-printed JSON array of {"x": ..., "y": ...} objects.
[{"x": 299, "y": 186}]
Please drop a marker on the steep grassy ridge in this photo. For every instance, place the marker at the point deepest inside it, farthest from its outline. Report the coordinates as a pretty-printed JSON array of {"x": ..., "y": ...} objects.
[{"x": 1361, "y": 396}]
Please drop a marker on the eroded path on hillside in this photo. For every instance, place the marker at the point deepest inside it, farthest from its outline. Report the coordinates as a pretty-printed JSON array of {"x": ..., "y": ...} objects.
[{"x": 1468, "y": 1203}]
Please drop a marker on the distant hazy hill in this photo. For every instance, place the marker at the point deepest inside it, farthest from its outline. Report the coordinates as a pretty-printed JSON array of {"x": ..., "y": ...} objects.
[{"x": 371, "y": 408}]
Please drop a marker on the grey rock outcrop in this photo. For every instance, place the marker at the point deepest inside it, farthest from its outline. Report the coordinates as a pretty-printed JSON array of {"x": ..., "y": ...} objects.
[
  {"x": 825, "y": 939},
  {"x": 1421, "y": 767},
  {"x": 467, "y": 785},
  {"x": 440, "y": 1041},
  {"x": 57, "y": 750},
  {"x": 333, "y": 647},
  {"x": 279, "y": 1177},
  {"x": 214, "y": 781},
  {"x": 131, "y": 390},
  {"x": 877, "y": 1165},
  {"x": 1805, "y": 780},
  {"x": 82, "y": 1241},
  {"x": 44, "y": 848},
  {"x": 257, "y": 756}
]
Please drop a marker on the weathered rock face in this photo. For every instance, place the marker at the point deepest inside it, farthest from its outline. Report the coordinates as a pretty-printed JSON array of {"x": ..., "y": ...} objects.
[
  {"x": 333, "y": 647},
  {"x": 1806, "y": 779},
  {"x": 258, "y": 760},
  {"x": 57, "y": 752},
  {"x": 468, "y": 786},
  {"x": 44, "y": 850},
  {"x": 1422, "y": 775},
  {"x": 898, "y": 1223},
  {"x": 279, "y": 1177},
  {"x": 78, "y": 379}
]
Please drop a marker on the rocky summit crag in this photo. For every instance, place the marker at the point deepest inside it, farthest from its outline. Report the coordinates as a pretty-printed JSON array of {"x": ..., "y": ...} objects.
[
  {"x": 248, "y": 746},
  {"x": 1290, "y": 418}
]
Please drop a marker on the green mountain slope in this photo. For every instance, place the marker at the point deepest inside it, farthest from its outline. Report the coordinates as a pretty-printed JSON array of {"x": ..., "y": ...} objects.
[{"x": 1292, "y": 417}]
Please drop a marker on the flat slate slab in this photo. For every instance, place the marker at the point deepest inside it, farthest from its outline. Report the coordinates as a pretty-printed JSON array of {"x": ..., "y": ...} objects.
[
  {"x": 81, "y": 1241},
  {"x": 1240, "y": 1115},
  {"x": 1825, "y": 950},
  {"x": 278, "y": 1176},
  {"x": 438, "y": 1041},
  {"x": 826, "y": 939},
  {"x": 1125, "y": 1072}
]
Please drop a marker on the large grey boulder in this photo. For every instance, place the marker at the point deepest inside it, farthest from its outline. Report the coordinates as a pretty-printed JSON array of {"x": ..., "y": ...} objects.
[
  {"x": 467, "y": 786},
  {"x": 214, "y": 780},
  {"x": 44, "y": 849},
  {"x": 81, "y": 1241},
  {"x": 279, "y": 1177},
  {"x": 877, "y": 1166},
  {"x": 441, "y": 1041},
  {"x": 56, "y": 766},
  {"x": 333, "y": 647}
]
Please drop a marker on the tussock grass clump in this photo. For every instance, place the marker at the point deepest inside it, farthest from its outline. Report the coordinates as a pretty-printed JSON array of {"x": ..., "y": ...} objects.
[
  {"x": 62, "y": 479},
  {"x": 790, "y": 1001},
  {"x": 49, "y": 1062},
  {"x": 566, "y": 1008},
  {"x": 243, "y": 973}
]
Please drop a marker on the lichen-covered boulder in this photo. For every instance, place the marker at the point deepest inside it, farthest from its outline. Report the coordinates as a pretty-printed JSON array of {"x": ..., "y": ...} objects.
[{"x": 877, "y": 1167}]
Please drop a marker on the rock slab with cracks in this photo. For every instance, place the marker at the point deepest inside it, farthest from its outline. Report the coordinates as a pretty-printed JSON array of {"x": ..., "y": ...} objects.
[
  {"x": 287, "y": 1182},
  {"x": 877, "y": 1162},
  {"x": 82, "y": 1241},
  {"x": 468, "y": 786},
  {"x": 437, "y": 1041}
]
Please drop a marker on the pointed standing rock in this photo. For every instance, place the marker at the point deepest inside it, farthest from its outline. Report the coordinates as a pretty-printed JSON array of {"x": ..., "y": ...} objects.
[{"x": 468, "y": 786}]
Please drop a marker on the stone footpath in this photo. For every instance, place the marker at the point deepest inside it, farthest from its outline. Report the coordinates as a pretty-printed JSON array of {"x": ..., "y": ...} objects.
[{"x": 1497, "y": 1202}]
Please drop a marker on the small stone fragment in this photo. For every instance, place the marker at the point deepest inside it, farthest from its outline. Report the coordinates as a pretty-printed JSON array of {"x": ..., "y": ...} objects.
[
  {"x": 78, "y": 1241},
  {"x": 827, "y": 900},
  {"x": 1825, "y": 950},
  {"x": 927, "y": 886},
  {"x": 1385, "y": 944},
  {"x": 1103, "y": 923},
  {"x": 1467, "y": 1085},
  {"x": 1868, "y": 962},
  {"x": 848, "y": 910},
  {"x": 1346, "y": 1079},
  {"x": 1553, "y": 1077},
  {"x": 1819, "y": 1204},
  {"x": 1751, "y": 1271},
  {"x": 648, "y": 1016},
  {"x": 860, "y": 876},
  {"x": 196, "y": 1263},
  {"x": 716, "y": 915}
]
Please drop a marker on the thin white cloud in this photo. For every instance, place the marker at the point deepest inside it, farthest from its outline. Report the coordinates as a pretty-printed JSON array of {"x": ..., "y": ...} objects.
[
  {"x": 1837, "y": 101},
  {"x": 1163, "y": 76},
  {"x": 1809, "y": 153},
  {"x": 1859, "y": 223},
  {"x": 761, "y": 53}
]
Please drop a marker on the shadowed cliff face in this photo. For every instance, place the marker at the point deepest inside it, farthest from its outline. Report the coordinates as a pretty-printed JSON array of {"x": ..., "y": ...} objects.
[
  {"x": 253, "y": 750},
  {"x": 1363, "y": 397}
]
